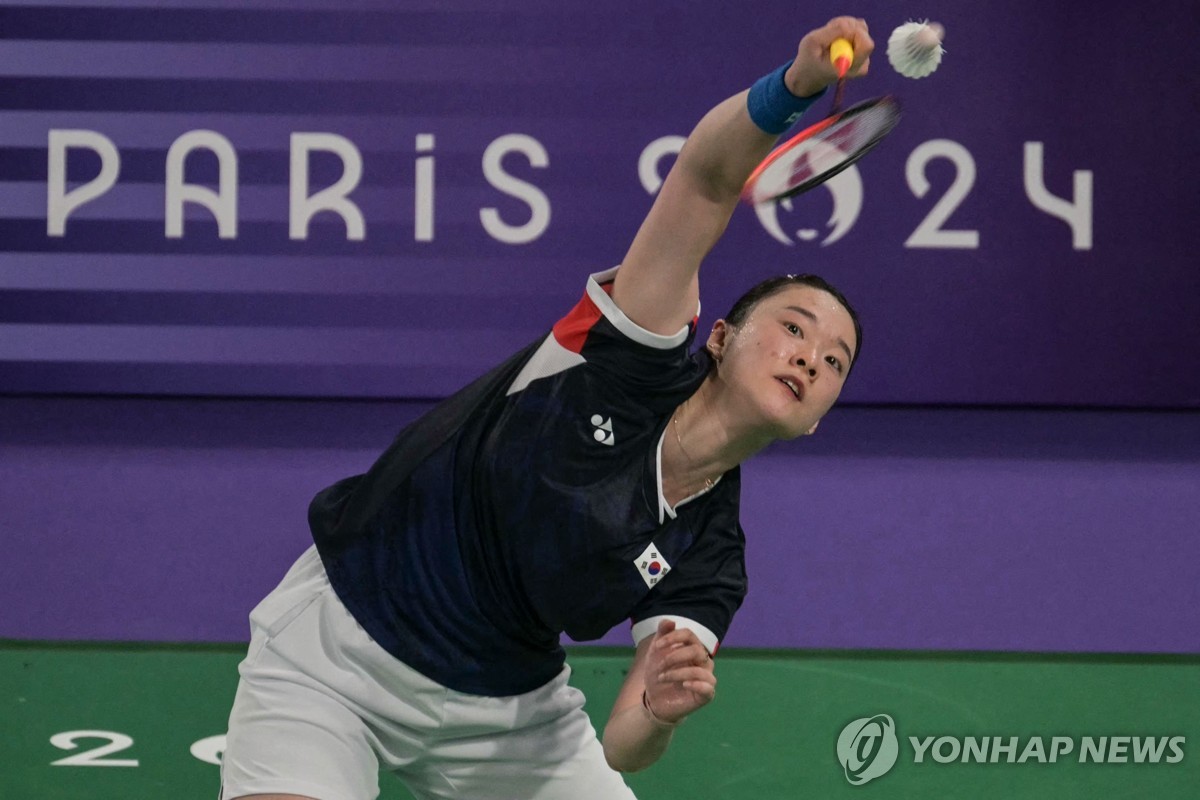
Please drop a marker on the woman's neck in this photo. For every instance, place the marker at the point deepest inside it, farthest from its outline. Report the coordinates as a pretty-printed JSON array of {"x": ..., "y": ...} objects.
[{"x": 703, "y": 441}]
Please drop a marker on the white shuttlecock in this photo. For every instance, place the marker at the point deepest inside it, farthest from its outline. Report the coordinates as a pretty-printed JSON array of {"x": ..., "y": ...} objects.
[{"x": 915, "y": 48}]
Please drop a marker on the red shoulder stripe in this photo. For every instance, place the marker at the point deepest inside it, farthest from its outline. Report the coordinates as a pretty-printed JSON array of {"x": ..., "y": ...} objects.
[{"x": 571, "y": 331}]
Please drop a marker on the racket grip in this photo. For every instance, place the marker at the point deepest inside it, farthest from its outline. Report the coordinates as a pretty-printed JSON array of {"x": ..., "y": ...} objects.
[{"x": 841, "y": 53}]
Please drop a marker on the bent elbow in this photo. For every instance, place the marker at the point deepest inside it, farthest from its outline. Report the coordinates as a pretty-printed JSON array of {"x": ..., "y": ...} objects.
[
  {"x": 623, "y": 766},
  {"x": 614, "y": 760},
  {"x": 622, "y": 762}
]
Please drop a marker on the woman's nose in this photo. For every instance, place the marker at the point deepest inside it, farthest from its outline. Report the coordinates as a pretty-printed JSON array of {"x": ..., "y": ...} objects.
[{"x": 804, "y": 365}]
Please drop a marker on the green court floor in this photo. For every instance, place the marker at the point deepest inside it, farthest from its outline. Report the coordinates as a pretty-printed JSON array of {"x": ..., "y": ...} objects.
[{"x": 93, "y": 722}]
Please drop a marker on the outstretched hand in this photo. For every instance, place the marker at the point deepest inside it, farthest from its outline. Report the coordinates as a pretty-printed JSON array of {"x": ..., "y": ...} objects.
[
  {"x": 679, "y": 673},
  {"x": 812, "y": 70}
]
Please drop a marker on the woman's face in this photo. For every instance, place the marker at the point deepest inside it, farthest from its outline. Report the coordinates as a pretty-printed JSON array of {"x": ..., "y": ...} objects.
[{"x": 787, "y": 362}]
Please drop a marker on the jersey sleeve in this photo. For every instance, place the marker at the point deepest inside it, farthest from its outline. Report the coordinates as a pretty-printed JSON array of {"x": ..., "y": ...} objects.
[
  {"x": 704, "y": 589},
  {"x": 654, "y": 370},
  {"x": 599, "y": 332}
]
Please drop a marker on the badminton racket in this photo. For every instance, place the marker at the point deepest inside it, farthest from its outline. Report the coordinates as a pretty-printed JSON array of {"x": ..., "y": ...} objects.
[{"x": 821, "y": 151}]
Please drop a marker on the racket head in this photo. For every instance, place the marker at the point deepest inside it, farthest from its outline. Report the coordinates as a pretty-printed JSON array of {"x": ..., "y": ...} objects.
[{"x": 821, "y": 151}]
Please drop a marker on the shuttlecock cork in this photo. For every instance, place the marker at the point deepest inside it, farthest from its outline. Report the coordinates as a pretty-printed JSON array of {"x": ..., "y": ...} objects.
[{"x": 915, "y": 48}]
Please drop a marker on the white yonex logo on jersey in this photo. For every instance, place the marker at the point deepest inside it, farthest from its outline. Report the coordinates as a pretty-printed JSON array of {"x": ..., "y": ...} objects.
[
  {"x": 651, "y": 565},
  {"x": 604, "y": 432}
]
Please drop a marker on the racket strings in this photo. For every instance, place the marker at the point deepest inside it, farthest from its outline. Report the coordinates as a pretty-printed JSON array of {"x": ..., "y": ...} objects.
[{"x": 819, "y": 153}]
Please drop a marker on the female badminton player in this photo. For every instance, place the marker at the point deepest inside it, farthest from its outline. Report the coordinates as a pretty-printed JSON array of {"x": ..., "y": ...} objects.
[{"x": 589, "y": 480}]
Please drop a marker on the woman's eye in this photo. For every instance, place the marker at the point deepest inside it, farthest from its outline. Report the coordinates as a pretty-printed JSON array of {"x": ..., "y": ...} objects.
[
  {"x": 834, "y": 362},
  {"x": 794, "y": 329}
]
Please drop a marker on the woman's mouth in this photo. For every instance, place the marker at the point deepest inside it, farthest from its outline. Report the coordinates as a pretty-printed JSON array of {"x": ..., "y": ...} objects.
[{"x": 796, "y": 387}]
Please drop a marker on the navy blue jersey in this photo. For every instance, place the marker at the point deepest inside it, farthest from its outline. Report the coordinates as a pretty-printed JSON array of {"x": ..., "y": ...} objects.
[{"x": 530, "y": 503}]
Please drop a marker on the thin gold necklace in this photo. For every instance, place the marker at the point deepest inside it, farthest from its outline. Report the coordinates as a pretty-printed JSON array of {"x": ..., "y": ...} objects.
[{"x": 708, "y": 482}]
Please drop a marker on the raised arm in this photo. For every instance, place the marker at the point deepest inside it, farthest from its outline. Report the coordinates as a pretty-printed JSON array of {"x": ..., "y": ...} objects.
[{"x": 656, "y": 286}]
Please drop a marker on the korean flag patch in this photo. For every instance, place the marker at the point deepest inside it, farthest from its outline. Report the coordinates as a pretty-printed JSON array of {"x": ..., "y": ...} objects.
[{"x": 651, "y": 565}]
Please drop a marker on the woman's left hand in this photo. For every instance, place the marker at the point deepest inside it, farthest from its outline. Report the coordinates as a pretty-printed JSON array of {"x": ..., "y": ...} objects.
[{"x": 679, "y": 674}]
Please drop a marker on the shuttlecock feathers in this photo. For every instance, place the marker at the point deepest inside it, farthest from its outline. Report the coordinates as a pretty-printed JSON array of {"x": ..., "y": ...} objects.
[{"x": 915, "y": 48}]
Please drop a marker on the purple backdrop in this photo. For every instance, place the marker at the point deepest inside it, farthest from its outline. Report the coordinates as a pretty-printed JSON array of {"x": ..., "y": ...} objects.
[
  {"x": 1041, "y": 530},
  {"x": 1003, "y": 303},
  {"x": 501, "y": 147}
]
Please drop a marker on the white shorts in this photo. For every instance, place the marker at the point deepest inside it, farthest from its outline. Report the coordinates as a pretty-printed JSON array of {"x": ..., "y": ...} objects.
[{"x": 321, "y": 709}]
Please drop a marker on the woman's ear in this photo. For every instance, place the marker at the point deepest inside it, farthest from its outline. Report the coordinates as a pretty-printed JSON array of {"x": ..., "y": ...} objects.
[{"x": 716, "y": 340}]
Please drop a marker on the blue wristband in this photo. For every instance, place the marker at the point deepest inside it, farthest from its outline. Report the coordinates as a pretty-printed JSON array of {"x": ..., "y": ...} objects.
[{"x": 772, "y": 106}]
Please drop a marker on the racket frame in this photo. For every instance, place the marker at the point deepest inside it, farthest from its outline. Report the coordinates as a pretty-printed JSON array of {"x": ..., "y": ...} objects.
[{"x": 813, "y": 132}]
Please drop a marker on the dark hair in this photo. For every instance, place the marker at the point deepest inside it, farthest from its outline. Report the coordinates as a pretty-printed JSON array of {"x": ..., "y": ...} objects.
[{"x": 746, "y": 303}]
